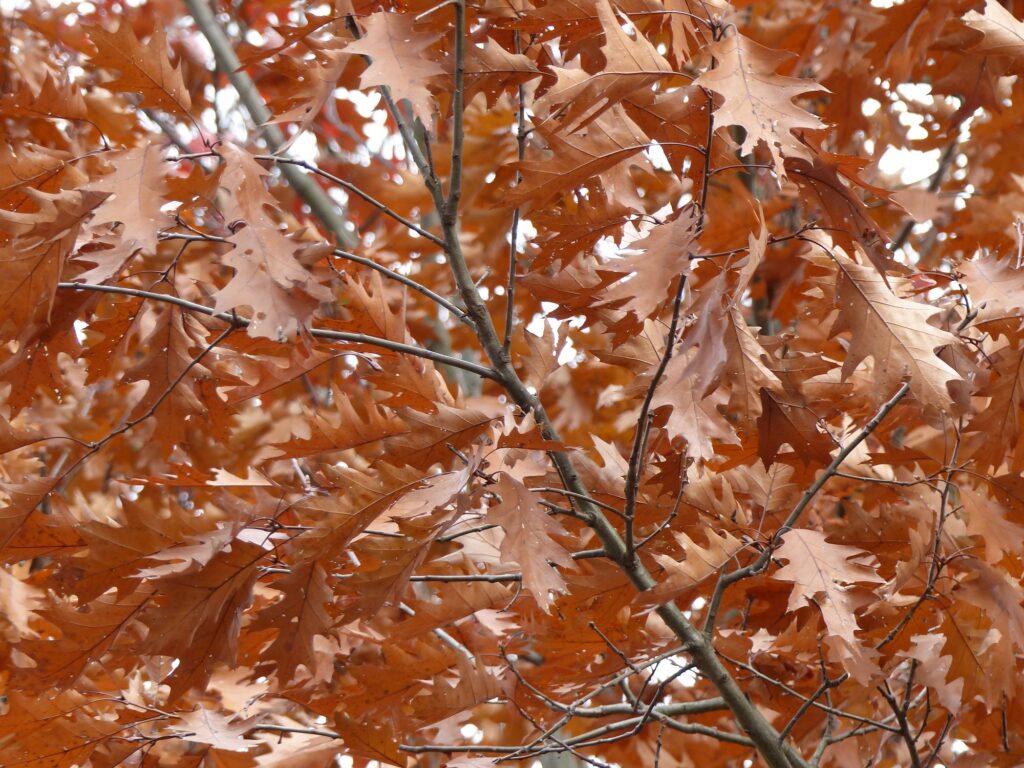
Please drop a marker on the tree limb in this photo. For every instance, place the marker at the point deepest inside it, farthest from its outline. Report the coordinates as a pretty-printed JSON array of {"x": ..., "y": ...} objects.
[
  {"x": 320, "y": 204},
  {"x": 321, "y": 333}
]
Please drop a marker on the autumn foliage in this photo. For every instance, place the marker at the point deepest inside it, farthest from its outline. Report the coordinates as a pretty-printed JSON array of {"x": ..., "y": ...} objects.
[{"x": 479, "y": 382}]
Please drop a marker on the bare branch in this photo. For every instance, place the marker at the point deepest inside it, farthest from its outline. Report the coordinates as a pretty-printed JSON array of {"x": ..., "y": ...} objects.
[{"x": 901, "y": 718}]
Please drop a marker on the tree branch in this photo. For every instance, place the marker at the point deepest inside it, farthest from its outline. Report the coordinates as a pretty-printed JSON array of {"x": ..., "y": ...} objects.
[
  {"x": 348, "y": 186},
  {"x": 750, "y": 719},
  {"x": 901, "y": 718},
  {"x": 728, "y": 579},
  {"x": 321, "y": 333},
  {"x": 320, "y": 204}
]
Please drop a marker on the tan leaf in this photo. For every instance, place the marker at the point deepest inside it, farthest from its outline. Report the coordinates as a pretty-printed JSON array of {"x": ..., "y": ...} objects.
[
  {"x": 299, "y": 616},
  {"x": 371, "y": 740},
  {"x": 758, "y": 100},
  {"x": 994, "y": 281},
  {"x": 144, "y": 69},
  {"x": 208, "y": 726},
  {"x": 649, "y": 277},
  {"x": 135, "y": 193},
  {"x": 700, "y": 564},
  {"x": 528, "y": 540},
  {"x": 695, "y": 418},
  {"x": 1004, "y": 33},
  {"x": 934, "y": 668},
  {"x": 398, "y": 59},
  {"x": 33, "y": 257},
  {"x": 825, "y": 574},
  {"x": 893, "y": 331},
  {"x": 630, "y": 65},
  {"x": 573, "y": 159}
]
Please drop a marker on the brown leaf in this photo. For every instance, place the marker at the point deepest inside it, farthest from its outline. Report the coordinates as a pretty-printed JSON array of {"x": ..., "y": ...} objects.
[
  {"x": 891, "y": 330},
  {"x": 649, "y": 277},
  {"x": 528, "y": 540},
  {"x": 208, "y": 726},
  {"x": 55, "y": 99},
  {"x": 398, "y": 59},
  {"x": 758, "y": 100},
  {"x": 825, "y": 574},
  {"x": 352, "y": 424},
  {"x": 268, "y": 278},
  {"x": 371, "y": 740},
  {"x": 135, "y": 192},
  {"x": 630, "y": 65},
  {"x": 695, "y": 418},
  {"x": 700, "y": 564},
  {"x": 33, "y": 258},
  {"x": 783, "y": 423},
  {"x": 201, "y": 609},
  {"x": 994, "y": 281},
  {"x": 605, "y": 143},
  {"x": 172, "y": 375},
  {"x": 1004, "y": 33},
  {"x": 299, "y": 616},
  {"x": 934, "y": 669},
  {"x": 492, "y": 70},
  {"x": 145, "y": 69}
]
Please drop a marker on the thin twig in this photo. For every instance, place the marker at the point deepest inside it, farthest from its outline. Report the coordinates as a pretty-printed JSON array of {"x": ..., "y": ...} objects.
[
  {"x": 901, "y": 718},
  {"x": 322, "y": 333},
  {"x": 404, "y": 280},
  {"x": 728, "y": 579},
  {"x": 945, "y": 163},
  {"x": 348, "y": 186},
  {"x": 458, "y": 108},
  {"x": 510, "y": 284},
  {"x": 494, "y": 578},
  {"x": 939, "y": 742},
  {"x": 643, "y": 422},
  {"x": 793, "y": 692}
]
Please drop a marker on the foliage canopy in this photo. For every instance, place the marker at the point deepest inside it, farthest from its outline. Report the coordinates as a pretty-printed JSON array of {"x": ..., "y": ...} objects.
[{"x": 444, "y": 384}]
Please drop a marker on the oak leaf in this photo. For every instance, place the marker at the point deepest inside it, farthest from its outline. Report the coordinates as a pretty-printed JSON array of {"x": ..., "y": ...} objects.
[
  {"x": 700, "y": 564},
  {"x": 145, "y": 69},
  {"x": 299, "y": 616},
  {"x": 893, "y": 331},
  {"x": 528, "y": 540},
  {"x": 136, "y": 191},
  {"x": 33, "y": 258},
  {"x": 282, "y": 293},
  {"x": 696, "y": 418},
  {"x": 648, "y": 277},
  {"x": 825, "y": 575},
  {"x": 630, "y": 65},
  {"x": 207, "y": 726},
  {"x": 491, "y": 70},
  {"x": 994, "y": 281},
  {"x": 372, "y": 740},
  {"x": 934, "y": 669},
  {"x": 1004, "y": 33},
  {"x": 398, "y": 59},
  {"x": 606, "y": 142},
  {"x": 758, "y": 100}
]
